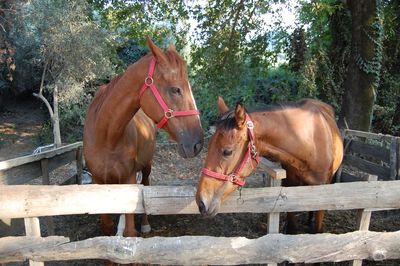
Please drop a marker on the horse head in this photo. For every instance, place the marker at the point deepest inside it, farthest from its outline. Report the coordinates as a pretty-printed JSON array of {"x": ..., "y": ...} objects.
[
  {"x": 229, "y": 159},
  {"x": 174, "y": 108}
]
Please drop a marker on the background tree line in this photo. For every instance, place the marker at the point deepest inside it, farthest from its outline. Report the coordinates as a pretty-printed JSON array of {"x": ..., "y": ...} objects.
[{"x": 345, "y": 53}]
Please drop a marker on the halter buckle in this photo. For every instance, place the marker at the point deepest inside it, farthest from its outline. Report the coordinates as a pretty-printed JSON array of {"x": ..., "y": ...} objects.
[
  {"x": 250, "y": 124},
  {"x": 169, "y": 113},
  {"x": 148, "y": 81},
  {"x": 232, "y": 178}
]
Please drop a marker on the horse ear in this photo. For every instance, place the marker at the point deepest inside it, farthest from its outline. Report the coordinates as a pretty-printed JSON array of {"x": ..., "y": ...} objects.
[
  {"x": 222, "y": 107},
  {"x": 172, "y": 48},
  {"x": 240, "y": 116},
  {"x": 157, "y": 52}
]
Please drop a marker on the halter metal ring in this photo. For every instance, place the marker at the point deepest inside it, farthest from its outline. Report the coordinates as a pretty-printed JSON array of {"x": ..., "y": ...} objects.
[
  {"x": 232, "y": 177},
  {"x": 169, "y": 113},
  {"x": 148, "y": 81}
]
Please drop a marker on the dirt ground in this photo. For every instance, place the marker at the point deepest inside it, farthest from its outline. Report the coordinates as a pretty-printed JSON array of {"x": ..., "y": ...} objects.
[{"x": 17, "y": 132}]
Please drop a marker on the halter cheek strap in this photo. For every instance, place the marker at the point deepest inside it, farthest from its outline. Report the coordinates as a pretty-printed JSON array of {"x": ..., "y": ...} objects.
[
  {"x": 251, "y": 154},
  {"x": 168, "y": 113}
]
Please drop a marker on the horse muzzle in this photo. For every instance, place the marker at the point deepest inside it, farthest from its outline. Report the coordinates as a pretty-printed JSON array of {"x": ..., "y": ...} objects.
[
  {"x": 209, "y": 210},
  {"x": 190, "y": 147}
]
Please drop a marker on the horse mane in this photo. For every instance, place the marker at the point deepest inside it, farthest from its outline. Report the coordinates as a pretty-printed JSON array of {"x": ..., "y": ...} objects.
[{"x": 103, "y": 91}]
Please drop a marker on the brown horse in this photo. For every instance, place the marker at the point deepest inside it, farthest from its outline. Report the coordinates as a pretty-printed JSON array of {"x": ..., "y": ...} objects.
[
  {"x": 117, "y": 143},
  {"x": 302, "y": 136}
]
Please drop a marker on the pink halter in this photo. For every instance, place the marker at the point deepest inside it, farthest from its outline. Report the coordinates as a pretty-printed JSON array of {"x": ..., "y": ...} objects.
[
  {"x": 251, "y": 153},
  {"x": 168, "y": 113}
]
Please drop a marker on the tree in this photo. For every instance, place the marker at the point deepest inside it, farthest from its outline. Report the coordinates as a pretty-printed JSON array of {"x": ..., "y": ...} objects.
[
  {"x": 165, "y": 20},
  {"x": 73, "y": 51},
  {"x": 364, "y": 66},
  {"x": 230, "y": 51}
]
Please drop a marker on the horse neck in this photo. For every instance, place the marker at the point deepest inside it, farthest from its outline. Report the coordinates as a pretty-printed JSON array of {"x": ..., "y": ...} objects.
[
  {"x": 121, "y": 102},
  {"x": 269, "y": 130}
]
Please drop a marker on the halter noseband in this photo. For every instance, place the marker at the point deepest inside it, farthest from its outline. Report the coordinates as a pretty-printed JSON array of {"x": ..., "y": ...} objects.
[
  {"x": 168, "y": 113},
  {"x": 251, "y": 153}
]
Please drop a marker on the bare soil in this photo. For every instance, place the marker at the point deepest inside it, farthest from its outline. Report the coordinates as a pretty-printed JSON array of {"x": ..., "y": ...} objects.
[{"x": 22, "y": 125}]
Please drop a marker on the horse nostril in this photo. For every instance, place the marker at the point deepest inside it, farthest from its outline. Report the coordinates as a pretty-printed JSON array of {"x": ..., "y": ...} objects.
[{"x": 202, "y": 207}]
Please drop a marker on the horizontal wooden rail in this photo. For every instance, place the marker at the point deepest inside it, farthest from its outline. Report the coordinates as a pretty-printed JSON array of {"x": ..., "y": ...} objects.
[
  {"x": 4, "y": 165},
  {"x": 23, "y": 169},
  {"x": 200, "y": 250},
  {"x": 32, "y": 201},
  {"x": 274, "y": 170},
  {"x": 368, "y": 135}
]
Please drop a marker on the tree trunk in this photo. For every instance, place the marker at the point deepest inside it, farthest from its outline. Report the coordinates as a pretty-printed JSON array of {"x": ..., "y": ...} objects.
[
  {"x": 364, "y": 65},
  {"x": 56, "y": 119}
]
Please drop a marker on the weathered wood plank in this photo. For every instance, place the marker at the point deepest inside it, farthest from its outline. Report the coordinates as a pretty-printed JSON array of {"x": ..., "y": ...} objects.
[
  {"x": 79, "y": 165},
  {"x": 363, "y": 217},
  {"x": 398, "y": 158},
  {"x": 372, "y": 151},
  {"x": 10, "y": 245},
  {"x": 393, "y": 159},
  {"x": 32, "y": 228},
  {"x": 273, "y": 169},
  {"x": 34, "y": 201},
  {"x": 368, "y": 135},
  {"x": 273, "y": 217},
  {"x": 46, "y": 181},
  {"x": 4, "y": 165},
  {"x": 372, "y": 168},
  {"x": 356, "y": 195},
  {"x": 201, "y": 250},
  {"x": 346, "y": 177},
  {"x": 21, "y": 174}
]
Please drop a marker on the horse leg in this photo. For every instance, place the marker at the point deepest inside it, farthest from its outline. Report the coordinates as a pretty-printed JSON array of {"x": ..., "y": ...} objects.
[
  {"x": 319, "y": 218},
  {"x": 107, "y": 225},
  {"x": 145, "y": 225},
  {"x": 130, "y": 230},
  {"x": 291, "y": 223}
]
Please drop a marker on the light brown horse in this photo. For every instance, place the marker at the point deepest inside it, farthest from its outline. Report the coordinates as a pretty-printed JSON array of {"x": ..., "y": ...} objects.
[
  {"x": 117, "y": 143},
  {"x": 302, "y": 136}
]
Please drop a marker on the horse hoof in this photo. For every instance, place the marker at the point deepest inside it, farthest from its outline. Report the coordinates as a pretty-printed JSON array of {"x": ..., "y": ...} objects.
[{"x": 146, "y": 228}]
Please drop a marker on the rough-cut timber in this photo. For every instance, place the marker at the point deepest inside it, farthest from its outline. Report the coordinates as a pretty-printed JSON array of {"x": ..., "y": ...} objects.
[
  {"x": 21, "y": 170},
  {"x": 200, "y": 250},
  {"x": 33, "y": 201}
]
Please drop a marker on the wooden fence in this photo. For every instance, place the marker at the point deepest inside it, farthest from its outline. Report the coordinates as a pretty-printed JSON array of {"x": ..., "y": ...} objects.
[
  {"x": 30, "y": 202},
  {"x": 376, "y": 154},
  {"x": 22, "y": 170}
]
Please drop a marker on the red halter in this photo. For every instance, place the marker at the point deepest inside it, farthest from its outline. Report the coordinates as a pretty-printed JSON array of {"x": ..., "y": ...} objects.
[
  {"x": 251, "y": 153},
  {"x": 168, "y": 113}
]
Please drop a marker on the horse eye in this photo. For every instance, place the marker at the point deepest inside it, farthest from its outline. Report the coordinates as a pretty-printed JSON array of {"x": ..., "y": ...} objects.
[
  {"x": 227, "y": 153},
  {"x": 176, "y": 90}
]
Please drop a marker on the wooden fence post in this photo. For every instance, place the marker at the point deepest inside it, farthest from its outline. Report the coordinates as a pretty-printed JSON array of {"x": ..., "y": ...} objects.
[
  {"x": 79, "y": 165},
  {"x": 44, "y": 164},
  {"x": 393, "y": 158},
  {"x": 398, "y": 158},
  {"x": 32, "y": 228},
  {"x": 363, "y": 217},
  {"x": 273, "y": 217}
]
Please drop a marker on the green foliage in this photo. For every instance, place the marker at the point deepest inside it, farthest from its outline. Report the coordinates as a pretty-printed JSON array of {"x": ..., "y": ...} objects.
[
  {"x": 373, "y": 65},
  {"x": 229, "y": 53},
  {"x": 72, "y": 46},
  {"x": 279, "y": 85},
  {"x": 166, "y": 21},
  {"x": 74, "y": 51}
]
